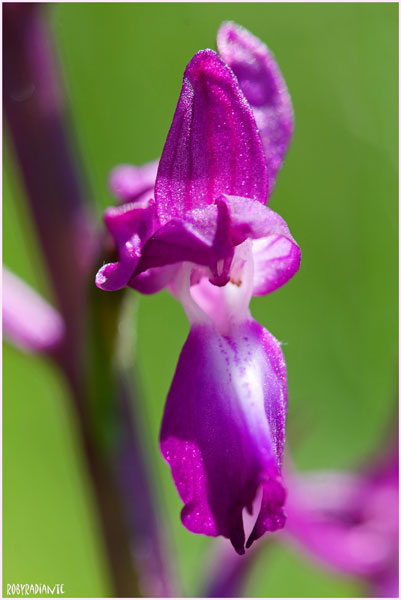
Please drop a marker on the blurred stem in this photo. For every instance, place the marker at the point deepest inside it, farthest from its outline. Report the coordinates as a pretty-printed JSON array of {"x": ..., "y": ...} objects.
[
  {"x": 117, "y": 431},
  {"x": 125, "y": 579},
  {"x": 34, "y": 109},
  {"x": 35, "y": 115}
]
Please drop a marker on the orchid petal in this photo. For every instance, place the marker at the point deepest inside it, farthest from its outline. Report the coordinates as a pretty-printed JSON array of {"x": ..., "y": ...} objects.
[
  {"x": 153, "y": 280},
  {"x": 130, "y": 226},
  {"x": 202, "y": 237},
  {"x": 276, "y": 254},
  {"x": 130, "y": 183},
  {"x": 115, "y": 276},
  {"x": 276, "y": 260},
  {"x": 265, "y": 89},
  {"x": 29, "y": 322},
  {"x": 223, "y": 429},
  {"x": 213, "y": 146}
]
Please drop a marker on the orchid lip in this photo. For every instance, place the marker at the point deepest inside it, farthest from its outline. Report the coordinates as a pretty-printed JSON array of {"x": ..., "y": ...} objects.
[{"x": 223, "y": 428}]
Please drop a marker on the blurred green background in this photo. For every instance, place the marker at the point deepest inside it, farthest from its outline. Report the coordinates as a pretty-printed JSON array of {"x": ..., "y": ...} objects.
[{"x": 122, "y": 66}]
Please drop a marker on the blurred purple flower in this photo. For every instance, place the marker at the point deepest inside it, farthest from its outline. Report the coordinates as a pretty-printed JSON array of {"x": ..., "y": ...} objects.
[
  {"x": 130, "y": 184},
  {"x": 349, "y": 521},
  {"x": 29, "y": 322},
  {"x": 209, "y": 235}
]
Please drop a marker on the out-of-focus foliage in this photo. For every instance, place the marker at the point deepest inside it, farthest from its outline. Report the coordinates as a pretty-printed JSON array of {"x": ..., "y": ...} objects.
[{"x": 123, "y": 65}]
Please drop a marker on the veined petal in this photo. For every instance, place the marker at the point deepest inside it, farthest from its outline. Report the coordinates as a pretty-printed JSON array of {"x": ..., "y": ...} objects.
[
  {"x": 265, "y": 89},
  {"x": 130, "y": 226},
  {"x": 213, "y": 146},
  {"x": 223, "y": 430},
  {"x": 129, "y": 183}
]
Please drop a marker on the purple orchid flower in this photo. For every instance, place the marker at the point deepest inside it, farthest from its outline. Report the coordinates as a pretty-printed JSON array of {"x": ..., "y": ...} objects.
[{"x": 208, "y": 235}]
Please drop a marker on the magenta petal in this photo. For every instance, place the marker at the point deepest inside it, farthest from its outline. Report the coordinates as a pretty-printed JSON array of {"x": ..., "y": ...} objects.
[
  {"x": 264, "y": 87},
  {"x": 276, "y": 259},
  {"x": 130, "y": 225},
  {"x": 213, "y": 146},
  {"x": 130, "y": 219},
  {"x": 115, "y": 276},
  {"x": 153, "y": 280},
  {"x": 223, "y": 429},
  {"x": 129, "y": 183},
  {"x": 203, "y": 236},
  {"x": 276, "y": 254},
  {"x": 271, "y": 516}
]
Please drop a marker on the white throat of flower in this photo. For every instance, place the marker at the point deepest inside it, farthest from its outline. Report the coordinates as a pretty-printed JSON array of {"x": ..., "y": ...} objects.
[{"x": 206, "y": 303}]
